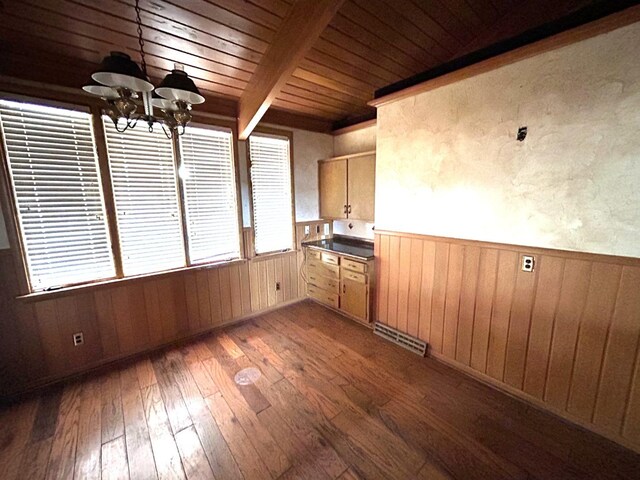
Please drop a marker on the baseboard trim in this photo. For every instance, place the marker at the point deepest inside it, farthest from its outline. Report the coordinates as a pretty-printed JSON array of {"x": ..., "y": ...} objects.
[
  {"x": 534, "y": 402},
  {"x": 106, "y": 364}
]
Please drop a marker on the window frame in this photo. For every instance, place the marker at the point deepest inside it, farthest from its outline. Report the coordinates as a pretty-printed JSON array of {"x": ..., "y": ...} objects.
[
  {"x": 8, "y": 207},
  {"x": 279, "y": 133}
]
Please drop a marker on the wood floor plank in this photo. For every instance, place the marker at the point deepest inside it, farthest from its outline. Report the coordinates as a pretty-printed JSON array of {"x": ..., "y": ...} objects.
[
  {"x": 224, "y": 368},
  {"x": 389, "y": 452},
  {"x": 139, "y": 451},
  {"x": 114, "y": 460},
  {"x": 194, "y": 460},
  {"x": 44, "y": 425},
  {"x": 89, "y": 433},
  {"x": 17, "y": 425},
  {"x": 248, "y": 459},
  {"x": 36, "y": 459},
  {"x": 146, "y": 375},
  {"x": 245, "y": 414},
  {"x": 111, "y": 415},
  {"x": 302, "y": 420},
  {"x": 304, "y": 463},
  {"x": 165, "y": 451},
  {"x": 215, "y": 448},
  {"x": 65, "y": 439},
  {"x": 174, "y": 403}
]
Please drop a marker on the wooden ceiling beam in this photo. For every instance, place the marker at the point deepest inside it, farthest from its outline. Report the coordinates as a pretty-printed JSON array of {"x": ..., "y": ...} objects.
[{"x": 297, "y": 34}]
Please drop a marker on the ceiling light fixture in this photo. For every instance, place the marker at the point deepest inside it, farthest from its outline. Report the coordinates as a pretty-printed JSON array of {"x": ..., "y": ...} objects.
[{"x": 121, "y": 83}]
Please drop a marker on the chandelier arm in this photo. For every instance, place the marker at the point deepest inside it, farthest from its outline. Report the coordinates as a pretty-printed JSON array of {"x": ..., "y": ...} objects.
[
  {"x": 127, "y": 126},
  {"x": 132, "y": 124},
  {"x": 167, "y": 132}
]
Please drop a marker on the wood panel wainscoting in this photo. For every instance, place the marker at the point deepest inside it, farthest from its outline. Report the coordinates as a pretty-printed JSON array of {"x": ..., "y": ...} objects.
[
  {"x": 130, "y": 316},
  {"x": 564, "y": 337}
]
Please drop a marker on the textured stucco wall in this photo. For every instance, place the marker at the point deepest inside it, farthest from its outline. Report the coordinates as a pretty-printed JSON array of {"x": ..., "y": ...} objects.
[
  {"x": 308, "y": 148},
  {"x": 448, "y": 162},
  {"x": 363, "y": 140}
]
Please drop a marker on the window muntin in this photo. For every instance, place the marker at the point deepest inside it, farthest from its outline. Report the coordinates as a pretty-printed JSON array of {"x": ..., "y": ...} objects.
[
  {"x": 271, "y": 191},
  {"x": 56, "y": 185}
]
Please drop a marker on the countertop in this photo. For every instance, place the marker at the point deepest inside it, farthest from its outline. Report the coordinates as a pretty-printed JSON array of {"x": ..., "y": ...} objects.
[{"x": 353, "y": 247}]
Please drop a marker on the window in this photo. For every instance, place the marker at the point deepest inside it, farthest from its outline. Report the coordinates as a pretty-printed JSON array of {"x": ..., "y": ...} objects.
[
  {"x": 211, "y": 206},
  {"x": 270, "y": 174},
  {"x": 145, "y": 192},
  {"x": 55, "y": 181},
  {"x": 164, "y": 217}
]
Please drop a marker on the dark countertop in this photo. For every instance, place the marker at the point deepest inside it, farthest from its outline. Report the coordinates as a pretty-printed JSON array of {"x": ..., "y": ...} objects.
[{"x": 345, "y": 246}]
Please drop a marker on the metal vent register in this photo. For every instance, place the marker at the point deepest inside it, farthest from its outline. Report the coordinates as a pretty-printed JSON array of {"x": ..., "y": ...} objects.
[{"x": 412, "y": 344}]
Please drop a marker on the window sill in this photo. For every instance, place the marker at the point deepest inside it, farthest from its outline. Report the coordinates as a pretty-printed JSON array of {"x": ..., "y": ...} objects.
[
  {"x": 119, "y": 282},
  {"x": 266, "y": 256}
]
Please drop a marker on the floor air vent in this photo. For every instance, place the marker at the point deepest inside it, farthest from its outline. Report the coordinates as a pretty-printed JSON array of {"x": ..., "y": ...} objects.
[{"x": 406, "y": 341}]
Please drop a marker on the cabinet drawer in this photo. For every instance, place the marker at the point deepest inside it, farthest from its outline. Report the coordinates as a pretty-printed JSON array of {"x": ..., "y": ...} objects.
[
  {"x": 331, "y": 259},
  {"x": 323, "y": 296},
  {"x": 356, "y": 277},
  {"x": 330, "y": 284},
  {"x": 323, "y": 269},
  {"x": 353, "y": 265},
  {"x": 313, "y": 254}
]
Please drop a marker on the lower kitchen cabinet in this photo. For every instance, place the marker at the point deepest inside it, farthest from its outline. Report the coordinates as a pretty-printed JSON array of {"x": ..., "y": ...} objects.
[
  {"x": 341, "y": 282},
  {"x": 354, "y": 298}
]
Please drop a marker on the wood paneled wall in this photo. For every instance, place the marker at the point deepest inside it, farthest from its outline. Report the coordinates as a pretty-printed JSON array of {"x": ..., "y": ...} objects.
[
  {"x": 564, "y": 337},
  {"x": 132, "y": 315}
]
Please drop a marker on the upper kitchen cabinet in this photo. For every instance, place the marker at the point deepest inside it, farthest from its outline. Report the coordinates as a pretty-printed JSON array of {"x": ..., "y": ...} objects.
[
  {"x": 333, "y": 188},
  {"x": 347, "y": 186}
]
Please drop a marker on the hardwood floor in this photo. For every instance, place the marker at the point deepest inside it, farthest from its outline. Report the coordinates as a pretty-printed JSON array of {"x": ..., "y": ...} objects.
[{"x": 332, "y": 401}]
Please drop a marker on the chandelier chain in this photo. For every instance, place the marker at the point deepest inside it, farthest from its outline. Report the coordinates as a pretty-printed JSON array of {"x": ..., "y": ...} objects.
[{"x": 140, "y": 39}]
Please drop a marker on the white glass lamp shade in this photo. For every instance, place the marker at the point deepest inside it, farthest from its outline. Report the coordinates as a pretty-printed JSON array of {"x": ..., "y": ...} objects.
[
  {"x": 117, "y": 70},
  {"x": 177, "y": 86}
]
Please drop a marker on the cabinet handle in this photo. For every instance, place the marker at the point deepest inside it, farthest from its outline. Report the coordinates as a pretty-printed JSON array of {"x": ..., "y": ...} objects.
[
  {"x": 345, "y": 209},
  {"x": 344, "y": 289},
  {"x": 349, "y": 209}
]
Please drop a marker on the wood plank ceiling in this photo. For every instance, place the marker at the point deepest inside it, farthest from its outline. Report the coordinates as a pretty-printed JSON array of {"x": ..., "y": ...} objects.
[{"x": 369, "y": 44}]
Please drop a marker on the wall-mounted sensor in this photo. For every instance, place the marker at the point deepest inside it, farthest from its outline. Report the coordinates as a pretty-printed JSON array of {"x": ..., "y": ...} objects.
[{"x": 522, "y": 134}]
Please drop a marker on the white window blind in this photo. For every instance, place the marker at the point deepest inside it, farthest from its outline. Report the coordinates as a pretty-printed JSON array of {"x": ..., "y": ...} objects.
[
  {"x": 146, "y": 198},
  {"x": 55, "y": 180},
  {"x": 271, "y": 193},
  {"x": 210, "y": 194}
]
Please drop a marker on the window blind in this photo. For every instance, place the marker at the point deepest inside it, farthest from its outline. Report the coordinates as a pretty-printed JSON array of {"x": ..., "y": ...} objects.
[
  {"x": 210, "y": 194},
  {"x": 146, "y": 198},
  {"x": 271, "y": 193},
  {"x": 55, "y": 180}
]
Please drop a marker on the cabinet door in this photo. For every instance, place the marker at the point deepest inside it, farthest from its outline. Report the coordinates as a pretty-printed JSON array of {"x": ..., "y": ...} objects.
[
  {"x": 333, "y": 188},
  {"x": 362, "y": 179},
  {"x": 354, "y": 298}
]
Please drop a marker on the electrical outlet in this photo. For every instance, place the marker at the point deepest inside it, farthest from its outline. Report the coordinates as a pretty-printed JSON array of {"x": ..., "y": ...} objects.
[
  {"x": 318, "y": 229},
  {"x": 78, "y": 339},
  {"x": 307, "y": 230},
  {"x": 326, "y": 229},
  {"x": 277, "y": 286},
  {"x": 527, "y": 263}
]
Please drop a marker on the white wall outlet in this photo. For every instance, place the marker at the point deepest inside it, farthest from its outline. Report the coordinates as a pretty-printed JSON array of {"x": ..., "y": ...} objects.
[
  {"x": 307, "y": 229},
  {"x": 78, "y": 339},
  {"x": 527, "y": 263},
  {"x": 326, "y": 229}
]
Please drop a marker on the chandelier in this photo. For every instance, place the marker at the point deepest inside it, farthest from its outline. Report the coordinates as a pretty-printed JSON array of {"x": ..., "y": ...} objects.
[{"x": 122, "y": 84}]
